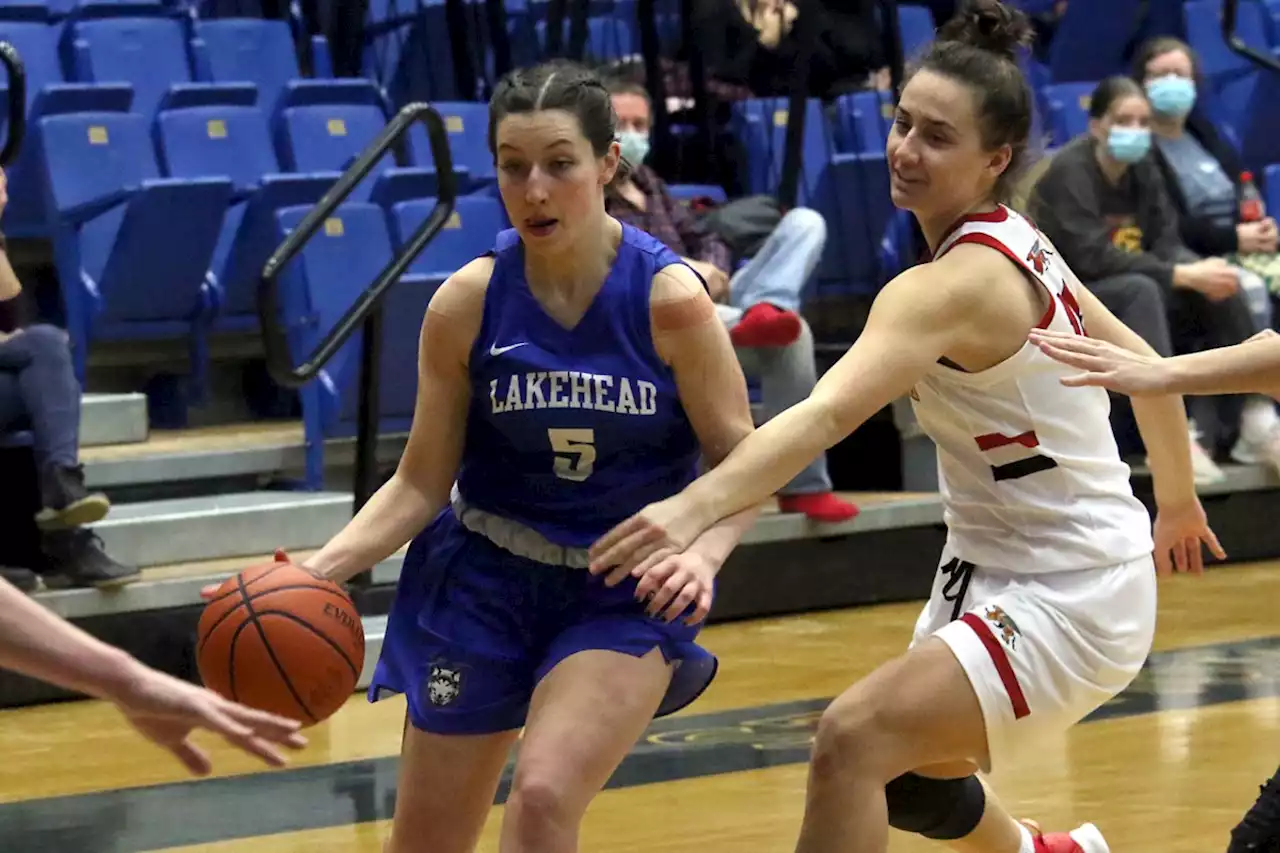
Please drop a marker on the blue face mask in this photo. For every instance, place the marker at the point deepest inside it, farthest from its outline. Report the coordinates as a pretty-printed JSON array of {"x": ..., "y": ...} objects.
[
  {"x": 1129, "y": 144},
  {"x": 635, "y": 146},
  {"x": 1172, "y": 95}
]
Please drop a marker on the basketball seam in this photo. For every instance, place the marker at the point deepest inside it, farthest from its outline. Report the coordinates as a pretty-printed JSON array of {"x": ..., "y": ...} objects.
[
  {"x": 271, "y": 653},
  {"x": 247, "y": 598},
  {"x": 231, "y": 665},
  {"x": 312, "y": 628},
  {"x": 232, "y": 592}
]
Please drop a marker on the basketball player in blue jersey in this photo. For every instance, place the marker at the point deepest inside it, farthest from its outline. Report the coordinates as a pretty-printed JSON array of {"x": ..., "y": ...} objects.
[{"x": 567, "y": 379}]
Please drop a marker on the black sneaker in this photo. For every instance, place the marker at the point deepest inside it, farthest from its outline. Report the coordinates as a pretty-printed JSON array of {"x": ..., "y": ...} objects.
[
  {"x": 24, "y": 579},
  {"x": 1259, "y": 832},
  {"x": 67, "y": 503},
  {"x": 76, "y": 559}
]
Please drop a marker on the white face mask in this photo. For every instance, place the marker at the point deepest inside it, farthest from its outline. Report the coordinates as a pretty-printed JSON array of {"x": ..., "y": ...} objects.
[{"x": 635, "y": 146}]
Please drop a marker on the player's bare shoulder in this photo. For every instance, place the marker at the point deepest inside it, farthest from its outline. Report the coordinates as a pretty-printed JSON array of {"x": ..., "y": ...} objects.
[
  {"x": 457, "y": 307},
  {"x": 678, "y": 300}
]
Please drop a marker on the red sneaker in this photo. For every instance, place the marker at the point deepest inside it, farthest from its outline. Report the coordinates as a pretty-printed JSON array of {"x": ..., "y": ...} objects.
[
  {"x": 822, "y": 506},
  {"x": 1083, "y": 839},
  {"x": 765, "y": 325}
]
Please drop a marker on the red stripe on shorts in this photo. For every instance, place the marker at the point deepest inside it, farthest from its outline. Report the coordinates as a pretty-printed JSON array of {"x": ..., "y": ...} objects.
[{"x": 1001, "y": 661}]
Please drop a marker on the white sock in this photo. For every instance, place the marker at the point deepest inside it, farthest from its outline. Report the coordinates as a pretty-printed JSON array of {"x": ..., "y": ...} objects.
[
  {"x": 1258, "y": 419},
  {"x": 1028, "y": 843}
]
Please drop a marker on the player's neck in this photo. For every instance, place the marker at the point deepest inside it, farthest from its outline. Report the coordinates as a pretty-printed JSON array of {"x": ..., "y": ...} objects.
[
  {"x": 936, "y": 226},
  {"x": 580, "y": 267}
]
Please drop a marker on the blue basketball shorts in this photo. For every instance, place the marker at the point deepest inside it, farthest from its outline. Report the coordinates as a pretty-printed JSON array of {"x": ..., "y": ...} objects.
[{"x": 473, "y": 628}]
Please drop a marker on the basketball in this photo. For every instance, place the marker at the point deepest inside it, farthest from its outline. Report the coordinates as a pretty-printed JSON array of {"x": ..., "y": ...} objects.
[{"x": 277, "y": 638}]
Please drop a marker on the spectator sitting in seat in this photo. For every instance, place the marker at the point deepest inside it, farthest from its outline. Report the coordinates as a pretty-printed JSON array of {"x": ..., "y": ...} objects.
[
  {"x": 39, "y": 393},
  {"x": 1103, "y": 203},
  {"x": 1202, "y": 171},
  {"x": 759, "y": 303}
]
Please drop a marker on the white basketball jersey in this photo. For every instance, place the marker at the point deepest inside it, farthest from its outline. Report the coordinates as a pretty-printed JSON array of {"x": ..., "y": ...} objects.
[{"x": 1030, "y": 474}]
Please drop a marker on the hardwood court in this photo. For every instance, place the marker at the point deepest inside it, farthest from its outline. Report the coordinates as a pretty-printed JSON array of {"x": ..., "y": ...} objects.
[{"x": 1168, "y": 767}]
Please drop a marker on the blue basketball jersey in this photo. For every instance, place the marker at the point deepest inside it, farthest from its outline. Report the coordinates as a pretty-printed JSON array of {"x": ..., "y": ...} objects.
[{"x": 572, "y": 430}]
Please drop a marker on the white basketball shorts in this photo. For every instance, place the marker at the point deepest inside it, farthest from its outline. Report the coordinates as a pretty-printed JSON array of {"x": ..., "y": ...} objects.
[{"x": 1042, "y": 651}]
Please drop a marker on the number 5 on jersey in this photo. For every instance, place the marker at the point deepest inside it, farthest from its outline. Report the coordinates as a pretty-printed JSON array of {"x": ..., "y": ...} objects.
[{"x": 575, "y": 451}]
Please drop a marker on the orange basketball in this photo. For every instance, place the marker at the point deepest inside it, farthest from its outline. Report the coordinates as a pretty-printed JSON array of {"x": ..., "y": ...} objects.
[{"x": 277, "y": 638}]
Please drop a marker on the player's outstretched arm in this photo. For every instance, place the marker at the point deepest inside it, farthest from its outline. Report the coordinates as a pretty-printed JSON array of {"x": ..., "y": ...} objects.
[
  {"x": 38, "y": 643},
  {"x": 913, "y": 322},
  {"x": 419, "y": 489},
  {"x": 1181, "y": 525},
  {"x": 713, "y": 391},
  {"x": 1251, "y": 367}
]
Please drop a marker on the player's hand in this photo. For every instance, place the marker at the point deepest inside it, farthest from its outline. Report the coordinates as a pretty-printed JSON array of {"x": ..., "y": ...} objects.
[
  {"x": 208, "y": 591},
  {"x": 165, "y": 710},
  {"x": 1104, "y": 364},
  {"x": 1179, "y": 532},
  {"x": 670, "y": 525},
  {"x": 671, "y": 581}
]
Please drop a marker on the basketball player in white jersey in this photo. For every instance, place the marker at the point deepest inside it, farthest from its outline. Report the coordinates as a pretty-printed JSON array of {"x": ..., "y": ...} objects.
[{"x": 1045, "y": 604}]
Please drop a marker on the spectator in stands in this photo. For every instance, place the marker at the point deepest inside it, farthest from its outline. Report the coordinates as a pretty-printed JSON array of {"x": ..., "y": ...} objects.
[
  {"x": 1202, "y": 171},
  {"x": 1103, "y": 203},
  {"x": 39, "y": 393},
  {"x": 759, "y": 303}
]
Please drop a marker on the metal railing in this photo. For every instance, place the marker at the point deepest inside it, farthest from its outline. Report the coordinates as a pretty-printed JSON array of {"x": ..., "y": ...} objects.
[
  {"x": 17, "y": 102},
  {"x": 1230, "y": 11},
  {"x": 366, "y": 311}
]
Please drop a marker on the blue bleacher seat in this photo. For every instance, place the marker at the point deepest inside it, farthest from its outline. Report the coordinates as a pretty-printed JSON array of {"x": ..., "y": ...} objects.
[
  {"x": 329, "y": 137},
  {"x": 1091, "y": 38},
  {"x": 234, "y": 142},
  {"x": 468, "y": 234},
  {"x": 1231, "y": 78},
  {"x": 151, "y": 55},
  {"x": 863, "y": 121},
  {"x": 132, "y": 250},
  {"x": 916, "y": 27},
  {"x": 1068, "y": 107},
  {"x": 317, "y": 288},
  {"x": 47, "y": 93},
  {"x": 467, "y": 124}
]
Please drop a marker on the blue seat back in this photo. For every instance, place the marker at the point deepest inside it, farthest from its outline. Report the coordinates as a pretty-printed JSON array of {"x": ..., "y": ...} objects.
[
  {"x": 148, "y": 53},
  {"x": 468, "y": 127},
  {"x": 468, "y": 234},
  {"x": 253, "y": 51},
  {"x": 328, "y": 137},
  {"x": 1068, "y": 106},
  {"x": 217, "y": 141}
]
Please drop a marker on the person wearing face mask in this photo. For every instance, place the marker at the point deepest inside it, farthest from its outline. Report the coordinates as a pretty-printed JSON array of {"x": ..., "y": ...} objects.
[
  {"x": 1202, "y": 171},
  {"x": 1103, "y": 201},
  {"x": 759, "y": 303}
]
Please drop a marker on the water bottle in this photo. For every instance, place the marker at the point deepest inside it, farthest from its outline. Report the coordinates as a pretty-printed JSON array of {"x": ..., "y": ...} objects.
[{"x": 1252, "y": 208}]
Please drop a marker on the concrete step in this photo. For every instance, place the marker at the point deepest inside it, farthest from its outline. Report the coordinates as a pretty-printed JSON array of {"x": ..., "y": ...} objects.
[
  {"x": 113, "y": 419},
  {"x": 248, "y": 524},
  {"x": 199, "y": 525},
  {"x": 375, "y": 629},
  {"x": 207, "y": 453}
]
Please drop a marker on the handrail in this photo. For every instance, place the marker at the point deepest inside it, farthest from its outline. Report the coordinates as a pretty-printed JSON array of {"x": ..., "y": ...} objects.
[
  {"x": 367, "y": 309},
  {"x": 17, "y": 102},
  {"x": 279, "y": 361},
  {"x": 1230, "y": 10}
]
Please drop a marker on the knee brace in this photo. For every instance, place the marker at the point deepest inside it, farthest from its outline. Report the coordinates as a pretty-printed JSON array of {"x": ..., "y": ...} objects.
[{"x": 941, "y": 809}]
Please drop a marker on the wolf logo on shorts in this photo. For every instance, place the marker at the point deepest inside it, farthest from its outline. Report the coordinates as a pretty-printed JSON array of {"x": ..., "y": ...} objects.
[
  {"x": 444, "y": 685},
  {"x": 1009, "y": 632}
]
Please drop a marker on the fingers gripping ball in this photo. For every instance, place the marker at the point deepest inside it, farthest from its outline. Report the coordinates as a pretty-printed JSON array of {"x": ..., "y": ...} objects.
[{"x": 277, "y": 638}]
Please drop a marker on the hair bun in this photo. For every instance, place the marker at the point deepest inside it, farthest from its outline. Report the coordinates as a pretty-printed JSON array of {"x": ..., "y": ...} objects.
[{"x": 989, "y": 25}]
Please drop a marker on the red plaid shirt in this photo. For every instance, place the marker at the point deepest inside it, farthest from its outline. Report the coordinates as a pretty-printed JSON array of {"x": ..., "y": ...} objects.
[{"x": 670, "y": 221}]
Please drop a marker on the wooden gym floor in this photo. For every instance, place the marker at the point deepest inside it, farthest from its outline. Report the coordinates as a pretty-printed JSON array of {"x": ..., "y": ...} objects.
[{"x": 1169, "y": 766}]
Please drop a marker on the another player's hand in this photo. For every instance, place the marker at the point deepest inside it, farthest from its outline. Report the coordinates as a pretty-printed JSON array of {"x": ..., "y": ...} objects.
[
  {"x": 670, "y": 525},
  {"x": 1105, "y": 364},
  {"x": 671, "y": 581},
  {"x": 1179, "y": 532},
  {"x": 166, "y": 710}
]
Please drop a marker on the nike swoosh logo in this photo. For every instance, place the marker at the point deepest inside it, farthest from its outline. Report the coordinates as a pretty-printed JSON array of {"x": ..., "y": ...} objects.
[{"x": 494, "y": 349}]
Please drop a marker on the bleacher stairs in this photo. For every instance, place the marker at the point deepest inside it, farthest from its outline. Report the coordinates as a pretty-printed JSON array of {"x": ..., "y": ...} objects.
[{"x": 234, "y": 506}]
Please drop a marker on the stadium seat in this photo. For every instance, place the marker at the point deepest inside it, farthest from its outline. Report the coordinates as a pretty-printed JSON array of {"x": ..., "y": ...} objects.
[
  {"x": 1231, "y": 77},
  {"x": 151, "y": 55},
  {"x": 468, "y": 234},
  {"x": 329, "y": 137},
  {"x": 863, "y": 120},
  {"x": 1068, "y": 107},
  {"x": 916, "y": 26},
  {"x": 234, "y": 142},
  {"x": 262, "y": 52},
  {"x": 1091, "y": 39},
  {"x": 316, "y": 289},
  {"x": 47, "y": 94},
  {"x": 132, "y": 249},
  {"x": 467, "y": 124}
]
